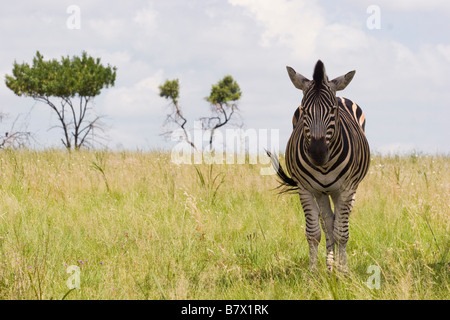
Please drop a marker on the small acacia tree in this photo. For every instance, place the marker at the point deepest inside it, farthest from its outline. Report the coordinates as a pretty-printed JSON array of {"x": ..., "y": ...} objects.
[
  {"x": 74, "y": 82},
  {"x": 170, "y": 90},
  {"x": 223, "y": 99}
]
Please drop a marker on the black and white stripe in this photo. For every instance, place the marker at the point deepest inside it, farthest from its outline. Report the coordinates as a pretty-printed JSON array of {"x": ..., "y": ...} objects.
[{"x": 327, "y": 156}]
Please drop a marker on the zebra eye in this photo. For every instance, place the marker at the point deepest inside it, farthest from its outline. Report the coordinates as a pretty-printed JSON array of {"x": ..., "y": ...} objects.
[
  {"x": 334, "y": 109},
  {"x": 306, "y": 112}
]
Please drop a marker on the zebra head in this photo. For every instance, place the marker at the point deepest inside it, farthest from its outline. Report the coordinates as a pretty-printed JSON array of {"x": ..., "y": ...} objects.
[{"x": 319, "y": 110}]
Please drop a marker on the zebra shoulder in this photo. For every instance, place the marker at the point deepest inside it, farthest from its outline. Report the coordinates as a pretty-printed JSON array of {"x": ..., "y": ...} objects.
[{"x": 354, "y": 110}]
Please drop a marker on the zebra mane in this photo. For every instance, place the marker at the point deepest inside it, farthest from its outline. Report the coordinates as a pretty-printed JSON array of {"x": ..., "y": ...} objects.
[{"x": 319, "y": 74}]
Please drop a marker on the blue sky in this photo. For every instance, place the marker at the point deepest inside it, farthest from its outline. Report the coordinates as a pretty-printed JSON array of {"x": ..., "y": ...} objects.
[{"x": 401, "y": 68}]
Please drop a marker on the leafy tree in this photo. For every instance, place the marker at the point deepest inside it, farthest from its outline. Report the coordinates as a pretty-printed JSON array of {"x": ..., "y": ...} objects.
[
  {"x": 224, "y": 91},
  {"x": 170, "y": 90},
  {"x": 74, "y": 81},
  {"x": 223, "y": 98}
]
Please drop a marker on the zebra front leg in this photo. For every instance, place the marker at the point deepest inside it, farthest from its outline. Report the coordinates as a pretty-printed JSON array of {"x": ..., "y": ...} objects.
[
  {"x": 327, "y": 223},
  {"x": 312, "y": 228},
  {"x": 343, "y": 205}
]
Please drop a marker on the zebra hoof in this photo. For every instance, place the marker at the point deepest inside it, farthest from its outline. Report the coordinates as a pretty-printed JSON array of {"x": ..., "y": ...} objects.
[{"x": 342, "y": 269}]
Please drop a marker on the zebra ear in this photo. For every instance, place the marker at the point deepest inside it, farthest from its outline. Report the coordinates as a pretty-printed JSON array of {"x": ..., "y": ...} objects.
[
  {"x": 299, "y": 81},
  {"x": 340, "y": 83}
]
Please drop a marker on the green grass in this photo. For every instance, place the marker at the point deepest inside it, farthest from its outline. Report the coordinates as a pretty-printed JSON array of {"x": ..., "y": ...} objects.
[{"x": 141, "y": 227}]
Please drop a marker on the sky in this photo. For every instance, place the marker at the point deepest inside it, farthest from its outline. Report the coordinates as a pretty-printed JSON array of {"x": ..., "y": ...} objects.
[{"x": 399, "y": 49}]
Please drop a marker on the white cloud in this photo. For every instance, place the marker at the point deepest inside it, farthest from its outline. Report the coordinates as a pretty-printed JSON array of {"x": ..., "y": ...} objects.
[
  {"x": 414, "y": 5},
  {"x": 302, "y": 27},
  {"x": 135, "y": 112},
  {"x": 136, "y": 100},
  {"x": 293, "y": 23},
  {"x": 109, "y": 29},
  {"x": 146, "y": 18},
  {"x": 444, "y": 50}
]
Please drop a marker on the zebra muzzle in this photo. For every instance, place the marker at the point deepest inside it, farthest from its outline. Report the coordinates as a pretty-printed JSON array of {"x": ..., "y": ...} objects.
[{"x": 318, "y": 151}]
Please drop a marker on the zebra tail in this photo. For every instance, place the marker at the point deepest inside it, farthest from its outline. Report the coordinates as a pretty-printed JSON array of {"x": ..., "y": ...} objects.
[{"x": 287, "y": 184}]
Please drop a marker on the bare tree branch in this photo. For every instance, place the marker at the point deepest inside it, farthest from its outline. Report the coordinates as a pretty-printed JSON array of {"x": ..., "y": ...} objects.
[
  {"x": 13, "y": 138},
  {"x": 176, "y": 117},
  {"x": 222, "y": 114}
]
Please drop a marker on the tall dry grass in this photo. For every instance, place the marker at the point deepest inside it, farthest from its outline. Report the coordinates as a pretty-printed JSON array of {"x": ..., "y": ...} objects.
[{"x": 141, "y": 227}]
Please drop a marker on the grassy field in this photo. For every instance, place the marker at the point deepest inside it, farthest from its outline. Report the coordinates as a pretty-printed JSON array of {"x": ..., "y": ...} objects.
[{"x": 141, "y": 227}]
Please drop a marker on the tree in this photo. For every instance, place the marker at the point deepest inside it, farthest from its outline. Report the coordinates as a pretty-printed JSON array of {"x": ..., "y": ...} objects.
[
  {"x": 170, "y": 91},
  {"x": 223, "y": 99},
  {"x": 74, "y": 81}
]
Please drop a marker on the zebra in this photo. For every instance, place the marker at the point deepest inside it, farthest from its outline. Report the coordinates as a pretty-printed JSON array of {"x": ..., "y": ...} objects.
[{"x": 326, "y": 157}]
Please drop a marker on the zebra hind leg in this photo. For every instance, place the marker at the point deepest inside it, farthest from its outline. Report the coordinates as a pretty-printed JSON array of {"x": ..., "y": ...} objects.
[{"x": 312, "y": 228}]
